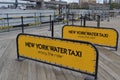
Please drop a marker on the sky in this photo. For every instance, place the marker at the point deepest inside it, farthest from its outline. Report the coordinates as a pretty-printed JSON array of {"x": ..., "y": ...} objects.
[
  {"x": 48, "y": 0},
  {"x": 98, "y": 1},
  {"x": 78, "y": 0}
]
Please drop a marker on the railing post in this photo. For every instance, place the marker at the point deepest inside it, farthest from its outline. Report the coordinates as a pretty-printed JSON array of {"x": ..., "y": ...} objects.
[
  {"x": 98, "y": 20},
  {"x": 50, "y": 23},
  {"x": 72, "y": 19},
  {"x": 54, "y": 15},
  {"x": 52, "y": 31},
  {"x": 35, "y": 19},
  {"x": 40, "y": 17},
  {"x": 7, "y": 21},
  {"x": 81, "y": 20},
  {"x": 84, "y": 20},
  {"x": 67, "y": 19},
  {"x": 22, "y": 24}
]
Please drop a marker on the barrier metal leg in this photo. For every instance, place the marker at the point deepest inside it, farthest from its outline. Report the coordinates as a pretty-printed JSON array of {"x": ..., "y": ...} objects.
[
  {"x": 20, "y": 59},
  {"x": 89, "y": 78}
]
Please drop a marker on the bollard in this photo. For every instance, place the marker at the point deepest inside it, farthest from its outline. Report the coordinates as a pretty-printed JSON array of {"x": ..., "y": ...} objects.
[{"x": 22, "y": 24}]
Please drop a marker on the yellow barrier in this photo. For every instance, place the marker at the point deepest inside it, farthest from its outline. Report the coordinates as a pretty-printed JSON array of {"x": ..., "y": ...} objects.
[
  {"x": 107, "y": 37},
  {"x": 55, "y": 51}
]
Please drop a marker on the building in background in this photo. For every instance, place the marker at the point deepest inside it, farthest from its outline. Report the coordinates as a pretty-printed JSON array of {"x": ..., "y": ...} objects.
[
  {"x": 74, "y": 5},
  {"x": 83, "y": 2},
  {"x": 43, "y": 4},
  {"x": 105, "y": 1},
  {"x": 56, "y": 5},
  {"x": 117, "y": 1},
  {"x": 112, "y": 1},
  {"x": 114, "y": 4},
  {"x": 53, "y": 0},
  {"x": 40, "y": 4}
]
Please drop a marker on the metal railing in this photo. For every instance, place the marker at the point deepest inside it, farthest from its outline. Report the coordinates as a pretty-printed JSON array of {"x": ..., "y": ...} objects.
[{"x": 14, "y": 20}]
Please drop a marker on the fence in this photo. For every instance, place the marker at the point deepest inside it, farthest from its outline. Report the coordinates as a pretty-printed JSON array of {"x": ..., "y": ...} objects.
[{"x": 13, "y": 21}]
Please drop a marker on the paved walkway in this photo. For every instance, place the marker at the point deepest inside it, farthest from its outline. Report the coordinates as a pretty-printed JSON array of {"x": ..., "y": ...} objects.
[{"x": 11, "y": 69}]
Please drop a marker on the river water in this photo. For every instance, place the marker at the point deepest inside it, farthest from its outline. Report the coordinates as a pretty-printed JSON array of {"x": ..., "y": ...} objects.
[{"x": 5, "y": 13}]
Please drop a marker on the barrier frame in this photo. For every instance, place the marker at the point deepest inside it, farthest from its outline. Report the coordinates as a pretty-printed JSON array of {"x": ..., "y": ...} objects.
[
  {"x": 57, "y": 65},
  {"x": 116, "y": 48}
]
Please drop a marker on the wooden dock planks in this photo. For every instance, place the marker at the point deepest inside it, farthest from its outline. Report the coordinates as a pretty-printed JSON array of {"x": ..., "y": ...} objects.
[{"x": 11, "y": 69}]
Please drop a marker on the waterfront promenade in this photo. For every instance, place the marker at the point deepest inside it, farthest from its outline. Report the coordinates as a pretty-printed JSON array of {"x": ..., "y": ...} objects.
[{"x": 11, "y": 69}]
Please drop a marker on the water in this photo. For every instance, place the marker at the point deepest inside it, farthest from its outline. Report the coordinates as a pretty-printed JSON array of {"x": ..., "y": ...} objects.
[{"x": 4, "y": 13}]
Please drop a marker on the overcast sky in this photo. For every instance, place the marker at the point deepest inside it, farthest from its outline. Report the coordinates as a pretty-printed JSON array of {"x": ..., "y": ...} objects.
[
  {"x": 78, "y": 0},
  {"x": 49, "y": 0},
  {"x": 100, "y": 1}
]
